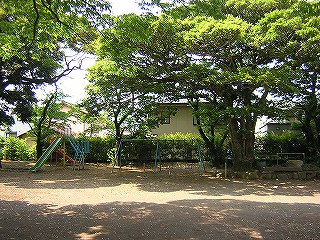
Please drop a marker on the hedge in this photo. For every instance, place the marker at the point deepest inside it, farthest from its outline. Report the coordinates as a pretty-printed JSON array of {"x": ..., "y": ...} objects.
[
  {"x": 102, "y": 150},
  {"x": 18, "y": 149}
]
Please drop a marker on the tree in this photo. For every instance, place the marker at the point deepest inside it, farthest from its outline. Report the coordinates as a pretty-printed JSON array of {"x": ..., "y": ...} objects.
[
  {"x": 110, "y": 91},
  {"x": 241, "y": 77},
  {"x": 47, "y": 117},
  {"x": 97, "y": 123},
  {"x": 291, "y": 36},
  {"x": 224, "y": 59},
  {"x": 32, "y": 36},
  {"x": 154, "y": 52}
]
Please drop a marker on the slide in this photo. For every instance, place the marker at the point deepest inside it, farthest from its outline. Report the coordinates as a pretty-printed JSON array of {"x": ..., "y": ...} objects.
[
  {"x": 45, "y": 156},
  {"x": 68, "y": 158}
]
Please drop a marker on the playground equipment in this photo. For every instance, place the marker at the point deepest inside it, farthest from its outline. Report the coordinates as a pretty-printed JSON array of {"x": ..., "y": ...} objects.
[
  {"x": 152, "y": 151},
  {"x": 64, "y": 155},
  {"x": 80, "y": 148},
  {"x": 45, "y": 156}
]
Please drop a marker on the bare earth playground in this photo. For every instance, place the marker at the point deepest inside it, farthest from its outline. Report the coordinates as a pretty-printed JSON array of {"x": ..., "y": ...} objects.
[{"x": 58, "y": 203}]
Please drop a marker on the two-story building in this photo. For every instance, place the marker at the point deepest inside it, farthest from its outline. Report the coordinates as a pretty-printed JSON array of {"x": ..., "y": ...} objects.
[{"x": 182, "y": 121}]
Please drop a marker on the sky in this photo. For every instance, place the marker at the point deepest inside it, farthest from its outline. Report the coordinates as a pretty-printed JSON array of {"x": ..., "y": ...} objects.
[{"x": 74, "y": 84}]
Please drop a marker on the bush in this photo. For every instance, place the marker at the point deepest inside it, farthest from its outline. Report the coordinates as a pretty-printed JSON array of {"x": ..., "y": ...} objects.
[
  {"x": 102, "y": 150},
  {"x": 288, "y": 142},
  {"x": 180, "y": 147},
  {"x": 33, "y": 153},
  {"x": 17, "y": 149},
  {"x": 138, "y": 151},
  {"x": 173, "y": 148}
]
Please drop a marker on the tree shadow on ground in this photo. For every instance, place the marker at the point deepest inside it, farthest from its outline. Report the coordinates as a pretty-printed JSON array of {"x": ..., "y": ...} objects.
[{"x": 183, "y": 219}]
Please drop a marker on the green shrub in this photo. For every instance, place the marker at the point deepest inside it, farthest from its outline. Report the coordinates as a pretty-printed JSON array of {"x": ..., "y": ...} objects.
[
  {"x": 17, "y": 149},
  {"x": 102, "y": 150},
  {"x": 180, "y": 136},
  {"x": 180, "y": 147},
  {"x": 33, "y": 153},
  {"x": 288, "y": 142},
  {"x": 173, "y": 148},
  {"x": 138, "y": 151}
]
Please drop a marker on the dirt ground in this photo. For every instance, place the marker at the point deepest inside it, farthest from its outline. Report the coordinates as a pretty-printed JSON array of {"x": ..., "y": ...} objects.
[{"x": 58, "y": 203}]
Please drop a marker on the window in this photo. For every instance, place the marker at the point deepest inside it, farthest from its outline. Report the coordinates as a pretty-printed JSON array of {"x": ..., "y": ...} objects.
[
  {"x": 166, "y": 120},
  {"x": 194, "y": 121}
]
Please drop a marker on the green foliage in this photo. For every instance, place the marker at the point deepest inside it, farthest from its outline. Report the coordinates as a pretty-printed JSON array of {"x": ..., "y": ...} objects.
[
  {"x": 212, "y": 8},
  {"x": 292, "y": 37},
  {"x": 288, "y": 142},
  {"x": 177, "y": 147},
  {"x": 18, "y": 149},
  {"x": 239, "y": 60},
  {"x": 138, "y": 152},
  {"x": 48, "y": 115},
  {"x": 33, "y": 35},
  {"x": 113, "y": 89},
  {"x": 102, "y": 150},
  {"x": 181, "y": 136},
  {"x": 180, "y": 147},
  {"x": 96, "y": 123},
  {"x": 254, "y": 10}
]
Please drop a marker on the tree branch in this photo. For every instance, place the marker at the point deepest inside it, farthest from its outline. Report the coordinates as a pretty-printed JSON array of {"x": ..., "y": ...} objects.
[{"x": 36, "y": 21}]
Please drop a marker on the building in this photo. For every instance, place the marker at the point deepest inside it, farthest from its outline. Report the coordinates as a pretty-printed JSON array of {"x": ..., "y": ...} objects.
[
  {"x": 182, "y": 121},
  {"x": 73, "y": 126},
  {"x": 267, "y": 125}
]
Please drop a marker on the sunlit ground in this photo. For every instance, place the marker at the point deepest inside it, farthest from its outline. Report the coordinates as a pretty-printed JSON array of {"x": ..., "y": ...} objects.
[{"x": 135, "y": 204}]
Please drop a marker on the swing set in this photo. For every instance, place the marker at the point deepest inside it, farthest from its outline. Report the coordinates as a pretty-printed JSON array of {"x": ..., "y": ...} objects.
[{"x": 162, "y": 154}]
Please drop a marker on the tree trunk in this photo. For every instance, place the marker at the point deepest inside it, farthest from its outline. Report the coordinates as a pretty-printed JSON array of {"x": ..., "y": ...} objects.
[
  {"x": 311, "y": 125},
  {"x": 39, "y": 147},
  {"x": 242, "y": 142},
  {"x": 311, "y": 136},
  {"x": 317, "y": 146},
  {"x": 209, "y": 144},
  {"x": 38, "y": 133}
]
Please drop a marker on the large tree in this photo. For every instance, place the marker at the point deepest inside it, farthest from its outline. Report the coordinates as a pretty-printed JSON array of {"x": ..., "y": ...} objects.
[
  {"x": 153, "y": 52},
  {"x": 33, "y": 34},
  {"x": 113, "y": 91},
  {"x": 292, "y": 37},
  {"x": 245, "y": 71},
  {"x": 218, "y": 52},
  {"x": 47, "y": 116},
  {"x": 241, "y": 77}
]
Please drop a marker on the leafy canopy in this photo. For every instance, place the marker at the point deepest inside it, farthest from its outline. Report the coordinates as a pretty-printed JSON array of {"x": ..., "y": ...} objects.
[{"x": 32, "y": 37}]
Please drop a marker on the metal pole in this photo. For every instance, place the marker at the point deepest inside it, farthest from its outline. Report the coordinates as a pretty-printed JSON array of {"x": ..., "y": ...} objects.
[
  {"x": 64, "y": 152},
  {"x": 157, "y": 157},
  {"x": 200, "y": 159},
  {"x": 225, "y": 168}
]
